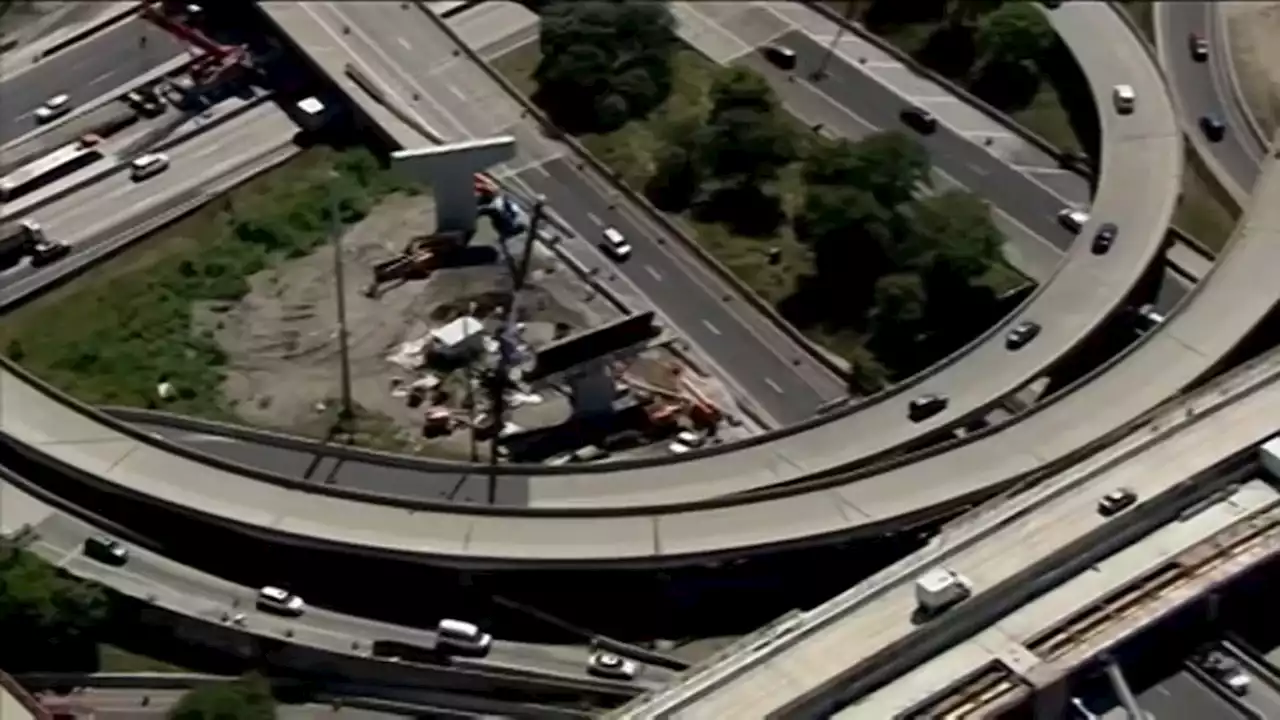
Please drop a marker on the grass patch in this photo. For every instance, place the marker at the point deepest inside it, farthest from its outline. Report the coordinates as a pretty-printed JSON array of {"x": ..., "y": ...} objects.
[
  {"x": 1203, "y": 212},
  {"x": 110, "y": 337},
  {"x": 112, "y": 659},
  {"x": 1142, "y": 12}
]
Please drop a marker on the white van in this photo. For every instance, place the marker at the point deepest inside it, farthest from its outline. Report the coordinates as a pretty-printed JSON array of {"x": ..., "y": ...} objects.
[
  {"x": 615, "y": 244},
  {"x": 148, "y": 165},
  {"x": 463, "y": 636},
  {"x": 1124, "y": 97}
]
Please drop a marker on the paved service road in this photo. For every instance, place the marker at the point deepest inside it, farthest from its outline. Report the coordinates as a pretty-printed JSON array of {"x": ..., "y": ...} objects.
[
  {"x": 1205, "y": 88},
  {"x": 84, "y": 71}
]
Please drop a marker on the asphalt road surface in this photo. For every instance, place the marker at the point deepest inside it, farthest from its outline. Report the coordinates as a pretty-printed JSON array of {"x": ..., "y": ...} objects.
[
  {"x": 84, "y": 71},
  {"x": 1205, "y": 88}
]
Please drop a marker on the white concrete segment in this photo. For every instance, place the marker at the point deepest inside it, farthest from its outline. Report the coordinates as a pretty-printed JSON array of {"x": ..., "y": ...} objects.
[
  {"x": 1141, "y": 167},
  {"x": 1050, "y": 610}
]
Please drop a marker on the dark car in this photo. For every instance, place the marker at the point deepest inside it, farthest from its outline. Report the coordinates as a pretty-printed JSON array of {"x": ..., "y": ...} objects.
[
  {"x": 926, "y": 406},
  {"x": 1199, "y": 48},
  {"x": 920, "y": 119},
  {"x": 780, "y": 56},
  {"x": 1103, "y": 239},
  {"x": 1116, "y": 501},
  {"x": 1053, "y": 4},
  {"x": 1213, "y": 128},
  {"x": 1022, "y": 335},
  {"x": 46, "y": 252},
  {"x": 105, "y": 550}
]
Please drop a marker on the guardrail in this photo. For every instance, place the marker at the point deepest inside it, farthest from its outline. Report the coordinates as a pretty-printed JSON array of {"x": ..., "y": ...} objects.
[
  {"x": 654, "y": 214},
  {"x": 367, "y": 696}
]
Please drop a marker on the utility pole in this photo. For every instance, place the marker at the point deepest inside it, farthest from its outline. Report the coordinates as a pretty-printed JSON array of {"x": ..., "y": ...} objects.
[
  {"x": 345, "y": 411},
  {"x": 506, "y": 341},
  {"x": 821, "y": 72}
]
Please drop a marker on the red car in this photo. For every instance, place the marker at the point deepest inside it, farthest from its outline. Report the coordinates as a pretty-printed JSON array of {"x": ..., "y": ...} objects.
[{"x": 1199, "y": 48}]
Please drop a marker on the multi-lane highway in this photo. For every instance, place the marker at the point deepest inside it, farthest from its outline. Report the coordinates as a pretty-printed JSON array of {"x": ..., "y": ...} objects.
[{"x": 83, "y": 71}]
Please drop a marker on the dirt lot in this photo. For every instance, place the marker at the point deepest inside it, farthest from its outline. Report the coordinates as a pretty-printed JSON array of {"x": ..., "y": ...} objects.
[
  {"x": 1253, "y": 28},
  {"x": 281, "y": 340}
]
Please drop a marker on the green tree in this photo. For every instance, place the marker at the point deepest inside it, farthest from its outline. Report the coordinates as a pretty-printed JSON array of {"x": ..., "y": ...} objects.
[
  {"x": 604, "y": 63},
  {"x": 744, "y": 141},
  {"x": 952, "y": 235},
  {"x": 47, "y": 620},
  {"x": 963, "y": 12},
  {"x": 676, "y": 178},
  {"x": 735, "y": 87},
  {"x": 1017, "y": 34},
  {"x": 247, "y": 698},
  {"x": 890, "y": 166},
  {"x": 746, "y": 148},
  {"x": 851, "y": 235},
  {"x": 897, "y": 321}
]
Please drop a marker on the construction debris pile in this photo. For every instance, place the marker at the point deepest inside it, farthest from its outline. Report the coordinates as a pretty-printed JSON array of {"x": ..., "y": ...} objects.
[{"x": 450, "y": 370}]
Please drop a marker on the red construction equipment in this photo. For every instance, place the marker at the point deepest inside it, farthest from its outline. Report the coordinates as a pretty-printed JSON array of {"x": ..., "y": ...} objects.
[
  {"x": 668, "y": 406},
  {"x": 216, "y": 62}
]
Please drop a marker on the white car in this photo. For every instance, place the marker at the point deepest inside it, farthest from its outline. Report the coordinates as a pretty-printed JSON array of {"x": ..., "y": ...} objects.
[
  {"x": 1073, "y": 219},
  {"x": 280, "y": 601},
  {"x": 53, "y": 108},
  {"x": 615, "y": 244},
  {"x": 148, "y": 165},
  {"x": 685, "y": 441},
  {"x": 616, "y": 667}
]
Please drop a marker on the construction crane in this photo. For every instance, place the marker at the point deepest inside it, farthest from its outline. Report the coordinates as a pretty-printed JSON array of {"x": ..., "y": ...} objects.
[{"x": 216, "y": 62}]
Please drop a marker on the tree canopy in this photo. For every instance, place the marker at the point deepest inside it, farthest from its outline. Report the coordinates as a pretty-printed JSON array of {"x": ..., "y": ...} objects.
[
  {"x": 247, "y": 698},
  {"x": 1015, "y": 34},
  {"x": 902, "y": 269},
  {"x": 604, "y": 63},
  {"x": 47, "y": 620}
]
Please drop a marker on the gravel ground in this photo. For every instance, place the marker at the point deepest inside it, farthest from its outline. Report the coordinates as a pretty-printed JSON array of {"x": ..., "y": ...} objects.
[
  {"x": 283, "y": 355},
  {"x": 281, "y": 339}
]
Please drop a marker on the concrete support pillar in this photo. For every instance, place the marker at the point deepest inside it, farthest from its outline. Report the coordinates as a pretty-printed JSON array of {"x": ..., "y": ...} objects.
[
  {"x": 449, "y": 170},
  {"x": 1122, "y": 691},
  {"x": 1050, "y": 701}
]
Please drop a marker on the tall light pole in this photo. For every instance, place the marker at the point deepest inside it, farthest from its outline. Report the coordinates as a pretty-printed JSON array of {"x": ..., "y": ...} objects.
[
  {"x": 345, "y": 411},
  {"x": 821, "y": 71},
  {"x": 506, "y": 350}
]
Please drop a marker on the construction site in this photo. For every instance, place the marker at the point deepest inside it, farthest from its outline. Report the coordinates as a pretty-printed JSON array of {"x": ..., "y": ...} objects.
[{"x": 436, "y": 352}]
